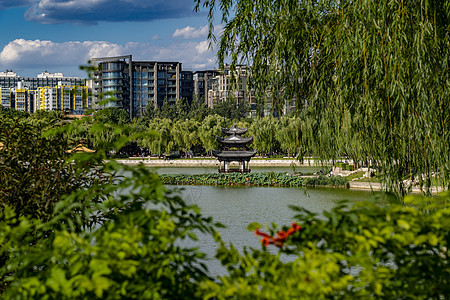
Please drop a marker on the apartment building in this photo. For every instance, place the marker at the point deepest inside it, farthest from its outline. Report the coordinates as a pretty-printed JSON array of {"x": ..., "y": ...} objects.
[
  {"x": 73, "y": 100},
  {"x": 10, "y": 79},
  {"x": 226, "y": 85},
  {"x": 24, "y": 100},
  {"x": 6, "y": 97},
  {"x": 203, "y": 83},
  {"x": 187, "y": 86},
  {"x": 121, "y": 82}
]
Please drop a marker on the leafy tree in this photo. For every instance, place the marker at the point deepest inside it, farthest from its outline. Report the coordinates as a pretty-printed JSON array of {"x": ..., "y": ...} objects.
[
  {"x": 182, "y": 109},
  {"x": 289, "y": 134},
  {"x": 165, "y": 111},
  {"x": 149, "y": 113},
  {"x": 264, "y": 134},
  {"x": 135, "y": 251},
  {"x": 383, "y": 64},
  {"x": 375, "y": 249},
  {"x": 199, "y": 109},
  {"x": 389, "y": 251},
  {"x": 11, "y": 112},
  {"x": 34, "y": 171},
  {"x": 231, "y": 109},
  {"x": 185, "y": 134},
  {"x": 210, "y": 129},
  {"x": 159, "y": 139},
  {"x": 112, "y": 115},
  {"x": 49, "y": 115}
]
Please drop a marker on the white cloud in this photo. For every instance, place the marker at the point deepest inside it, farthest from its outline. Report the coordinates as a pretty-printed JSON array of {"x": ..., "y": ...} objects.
[
  {"x": 26, "y": 54},
  {"x": 191, "y": 54},
  {"x": 191, "y": 32},
  {"x": 202, "y": 47}
]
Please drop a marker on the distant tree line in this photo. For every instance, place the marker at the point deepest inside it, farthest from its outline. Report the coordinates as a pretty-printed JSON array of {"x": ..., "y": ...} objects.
[
  {"x": 175, "y": 129},
  {"x": 196, "y": 130}
]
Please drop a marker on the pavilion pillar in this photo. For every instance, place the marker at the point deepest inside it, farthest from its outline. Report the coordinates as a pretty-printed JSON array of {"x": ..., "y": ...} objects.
[{"x": 226, "y": 166}]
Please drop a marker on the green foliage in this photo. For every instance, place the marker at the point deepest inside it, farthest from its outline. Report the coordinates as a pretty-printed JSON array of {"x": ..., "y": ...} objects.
[
  {"x": 162, "y": 142},
  {"x": 72, "y": 227},
  {"x": 369, "y": 77},
  {"x": 182, "y": 110},
  {"x": 12, "y": 113},
  {"x": 199, "y": 109},
  {"x": 264, "y": 131},
  {"x": 136, "y": 253},
  {"x": 288, "y": 134},
  {"x": 35, "y": 171},
  {"x": 254, "y": 179},
  {"x": 112, "y": 115},
  {"x": 231, "y": 109},
  {"x": 370, "y": 250},
  {"x": 210, "y": 129},
  {"x": 111, "y": 231},
  {"x": 185, "y": 133}
]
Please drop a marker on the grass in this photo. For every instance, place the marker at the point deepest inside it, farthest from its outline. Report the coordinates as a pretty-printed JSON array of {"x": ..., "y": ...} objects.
[
  {"x": 371, "y": 179},
  {"x": 354, "y": 175}
]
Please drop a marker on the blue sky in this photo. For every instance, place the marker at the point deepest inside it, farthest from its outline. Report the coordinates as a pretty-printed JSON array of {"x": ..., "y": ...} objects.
[{"x": 61, "y": 35}]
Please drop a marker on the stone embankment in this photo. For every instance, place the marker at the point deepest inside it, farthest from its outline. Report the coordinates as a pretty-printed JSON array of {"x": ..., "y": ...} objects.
[
  {"x": 376, "y": 186},
  {"x": 354, "y": 184},
  {"x": 214, "y": 162}
]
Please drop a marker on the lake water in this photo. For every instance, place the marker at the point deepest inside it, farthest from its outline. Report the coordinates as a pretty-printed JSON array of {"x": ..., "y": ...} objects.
[{"x": 237, "y": 207}]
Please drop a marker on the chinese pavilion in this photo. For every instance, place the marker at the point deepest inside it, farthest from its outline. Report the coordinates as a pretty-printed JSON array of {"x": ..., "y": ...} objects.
[{"x": 234, "y": 149}]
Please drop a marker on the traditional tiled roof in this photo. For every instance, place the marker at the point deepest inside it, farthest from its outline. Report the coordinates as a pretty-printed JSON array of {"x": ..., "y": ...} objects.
[
  {"x": 235, "y": 140},
  {"x": 233, "y": 155},
  {"x": 234, "y": 130}
]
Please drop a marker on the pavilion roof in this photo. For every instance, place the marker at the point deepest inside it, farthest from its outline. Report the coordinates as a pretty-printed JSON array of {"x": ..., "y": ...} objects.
[
  {"x": 80, "y": 148},
  {"x": 234, "y": 155},
  {"x": 234, "y": 130},
  {"x": 235, "y": 140}
]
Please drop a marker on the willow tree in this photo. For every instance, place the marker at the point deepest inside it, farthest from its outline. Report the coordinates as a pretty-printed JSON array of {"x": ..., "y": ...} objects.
[
  {"x": 264, "y": 132},
  {"x": 209, "y": 130},
  {"x": 374, "y": 75},
  {"x": 288, "y": 134},
  {"x": 159, "y": 137}
]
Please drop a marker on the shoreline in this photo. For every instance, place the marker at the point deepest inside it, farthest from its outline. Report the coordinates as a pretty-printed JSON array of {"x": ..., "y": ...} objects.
[
  {"x": 376, "y": 187},
  {"x": 215, "y": 162},
  {"x": 353, "y": 185}
]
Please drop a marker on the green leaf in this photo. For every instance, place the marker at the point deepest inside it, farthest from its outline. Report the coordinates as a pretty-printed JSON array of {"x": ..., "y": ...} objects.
[{"x": 253, "y": 226}]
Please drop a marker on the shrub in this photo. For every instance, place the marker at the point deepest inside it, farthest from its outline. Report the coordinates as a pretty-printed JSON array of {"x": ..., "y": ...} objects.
[{"x": 388, "y": 251}]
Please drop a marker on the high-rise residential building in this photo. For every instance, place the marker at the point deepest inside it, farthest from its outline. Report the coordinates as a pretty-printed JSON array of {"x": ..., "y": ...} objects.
[
  {"x": 203, "y": 83},
  {"x": 187, "y": 86},
  {"x": 111, "y": 81},
  {"x": 220, "y": 85},
  {"x": 24, "y": 100},
  {"x": 226, "y": 85},
  {"x": 73, "y": 100},
  {"x": 133, "y": 85},
  {"x": 48, "y": 91},
  {"x": 9, "y": 79},
  {"x": 6, "y": 97}
]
